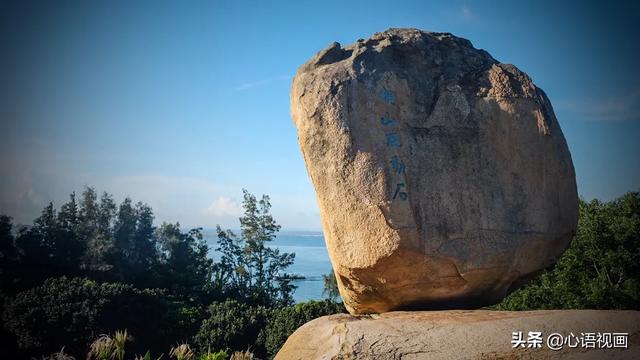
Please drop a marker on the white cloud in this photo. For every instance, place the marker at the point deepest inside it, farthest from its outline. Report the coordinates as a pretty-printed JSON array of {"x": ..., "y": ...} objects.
[
  {"x": 34, "y": 174},
  {"x": 224, "y": 206}
]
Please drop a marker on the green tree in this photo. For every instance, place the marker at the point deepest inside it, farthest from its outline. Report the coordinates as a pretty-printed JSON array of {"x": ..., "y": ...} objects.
[
  {"x": 88, "y": 213},
  {"x": 601, "y": 267},
  {"x": 9, "y": 254},
  {"x": 330, "y": 290},
  {"x": 187, "y": 268},
  {"x": 135, "y": 249},
  {"x": 124, "y": 229},
  {"x": 252, "y": 270},
  {"x": 41, "y": 249},
  {"x": 69, "y": 245},
  {"x": 121, "y": 249},
  {"x": 230, "y": 274},
  {"x": 9, "y": 265},
  {"x": 95, "y": 228},
  {"x": 144, "y": 254},
  {"x": 106, "y": 214}
]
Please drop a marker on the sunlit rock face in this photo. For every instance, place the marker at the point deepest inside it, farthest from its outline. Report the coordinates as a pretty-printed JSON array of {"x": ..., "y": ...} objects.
[
  {"x": 465, "y": 334},
  {"x": 442, "y": 175}
]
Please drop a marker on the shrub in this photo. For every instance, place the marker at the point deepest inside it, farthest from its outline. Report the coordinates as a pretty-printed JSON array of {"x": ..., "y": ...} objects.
[
  {"x": 218, "y": 355},
  {"x": 235, "y": 326},
  {"x": 231, "y": 326},
  {"x": 72, "y": 312},
  {"x": 60, "y": 312},
  {"x": 284, "y": 321}
]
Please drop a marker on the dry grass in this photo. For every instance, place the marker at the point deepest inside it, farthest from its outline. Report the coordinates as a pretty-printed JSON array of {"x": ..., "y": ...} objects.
[
  {"x": 182, "y": 352},
  {"x": 242, "y": 355},
  {"x": 60, "y": 355},
  {"x": 106, "y": 347}
]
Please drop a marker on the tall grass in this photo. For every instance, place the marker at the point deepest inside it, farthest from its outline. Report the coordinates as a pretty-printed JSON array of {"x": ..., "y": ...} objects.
[
  {"x": 119, "y": 339},
  {"x": 106, "y": 347},
  {"x": 60, "y": 355},
  {"x": 112, "y": 347},
  {"x": 242, "y": 355},
  {"x": 102, "y": 348},
  {"x": 147, "y": 356},
  {"x": 182, "y": 352}
]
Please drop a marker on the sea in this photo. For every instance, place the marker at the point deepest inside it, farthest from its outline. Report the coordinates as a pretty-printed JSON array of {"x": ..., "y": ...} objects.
[{"x": 311, "y": 260}]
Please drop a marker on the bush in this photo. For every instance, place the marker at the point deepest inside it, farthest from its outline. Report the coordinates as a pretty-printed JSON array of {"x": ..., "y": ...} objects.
[
  {"x": 72, "y": 312},
  {"x": 601, "y": 267},
  {"x": 284, "y": 321},
  {"x": 231, "y": 325},
  {"x": 236, "y": 326},
  {"x": 60, "y": 312}
]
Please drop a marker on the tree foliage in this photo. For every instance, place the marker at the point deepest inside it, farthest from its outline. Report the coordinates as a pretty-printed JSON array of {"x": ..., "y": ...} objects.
[
  {"x": 601, "y": 267},
  {"x": 93, "y": 266},
  {"x": 187, "y": 268},
  {"x": 103, "y": 241},
  {"x": 232, "y": 325},
  {"x": 70, "y": 312},
  {"x": 9, "y": 253},
  {"x": 330, "y": 286},
  {"x": 249, "y": 269},
  {"x": 283, "y": 322}
]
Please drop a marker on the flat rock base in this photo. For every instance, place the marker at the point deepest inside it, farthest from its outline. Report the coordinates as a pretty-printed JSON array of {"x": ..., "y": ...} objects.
[{"x": 477, "y": 334}]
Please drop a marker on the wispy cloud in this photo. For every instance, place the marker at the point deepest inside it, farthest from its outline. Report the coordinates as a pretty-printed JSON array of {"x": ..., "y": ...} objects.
[
  {"x": 466, "y": 12},
  {"x": 615, "y": 108},
  {"x": 259, "y": 83}
]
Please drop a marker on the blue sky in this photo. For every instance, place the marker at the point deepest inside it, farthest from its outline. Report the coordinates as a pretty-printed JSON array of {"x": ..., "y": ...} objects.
[{"x": 183, "y": 104}]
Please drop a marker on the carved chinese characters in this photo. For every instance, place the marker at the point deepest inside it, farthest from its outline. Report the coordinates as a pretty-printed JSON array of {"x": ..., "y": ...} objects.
[{"x": 442, "y": 176}]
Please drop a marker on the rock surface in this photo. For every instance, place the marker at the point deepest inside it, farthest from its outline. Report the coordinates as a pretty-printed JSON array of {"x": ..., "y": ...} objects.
[
  {"x": 461, "y": 335},
  {"x": 442, "y": 175}
]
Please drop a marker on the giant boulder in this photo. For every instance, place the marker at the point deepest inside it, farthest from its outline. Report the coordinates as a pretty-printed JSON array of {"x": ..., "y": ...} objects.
[
  {"x": 442, "y": 175},
  {"x": 468, "y": 334}
]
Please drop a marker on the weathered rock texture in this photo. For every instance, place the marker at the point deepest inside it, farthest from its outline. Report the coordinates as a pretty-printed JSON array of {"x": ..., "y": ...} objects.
[
  {"x": 442, "y": 175},
  {"x": 462, "y": 335}
]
